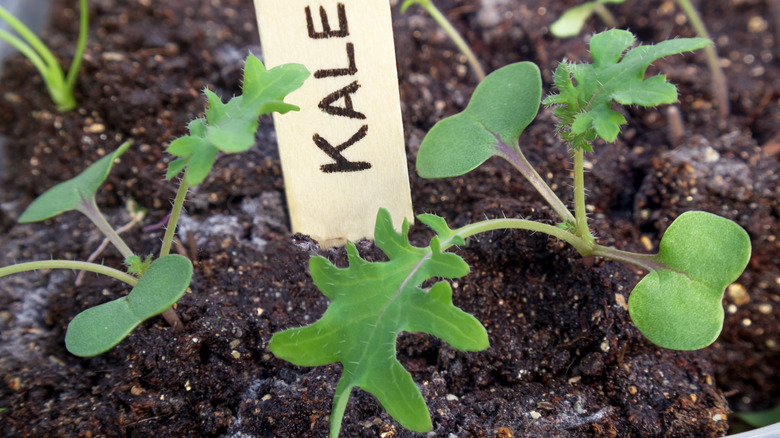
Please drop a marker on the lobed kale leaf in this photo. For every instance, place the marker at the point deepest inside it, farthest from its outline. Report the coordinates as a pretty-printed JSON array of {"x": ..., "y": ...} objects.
[{"x": 371, "y": 304}]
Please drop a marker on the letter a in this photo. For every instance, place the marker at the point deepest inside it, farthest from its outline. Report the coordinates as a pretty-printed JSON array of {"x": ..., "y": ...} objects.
[{"x": 347, "y": 110}]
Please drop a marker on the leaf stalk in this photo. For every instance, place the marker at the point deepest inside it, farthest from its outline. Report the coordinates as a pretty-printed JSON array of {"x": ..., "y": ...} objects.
[
  {"x": 70, "y": 264},
  {"x": 453, "y": 33},
  {"x": 90, "y": 209},
  {"x": 515, "y": 156}
]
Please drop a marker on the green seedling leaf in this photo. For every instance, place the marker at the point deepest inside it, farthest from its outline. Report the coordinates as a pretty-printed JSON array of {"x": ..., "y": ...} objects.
[
  {"x": 680, "y": 307},
  {"x": 371, "y": 304},
  {"x": 97, "y": 330},
  {"x": 500, "y": 109},
  {"x": 571, "y": 22},
  {"x": 137, "y": 266},
  {"x": 585, "y": 109},
  {"x": 73, "y": 193},
  {"x": 761, "y": 418},
  {"x": 230, "y": 127}
]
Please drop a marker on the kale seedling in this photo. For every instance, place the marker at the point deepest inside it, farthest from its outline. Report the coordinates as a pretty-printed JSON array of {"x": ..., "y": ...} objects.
[
  {"x": 451, "y": 31},
  {"x": 676, "y": 305},
  {"x": 59, "y": 85},
  {"x": 571, "y": 22},
  {"x": 157, "y": 284}
]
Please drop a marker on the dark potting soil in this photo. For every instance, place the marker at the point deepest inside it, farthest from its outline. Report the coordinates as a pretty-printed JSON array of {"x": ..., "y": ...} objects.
[{"x": 565, "y": 359}]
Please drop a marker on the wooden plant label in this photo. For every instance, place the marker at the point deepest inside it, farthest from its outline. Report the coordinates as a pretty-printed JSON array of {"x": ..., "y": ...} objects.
[{"x": 343, "y": 154}]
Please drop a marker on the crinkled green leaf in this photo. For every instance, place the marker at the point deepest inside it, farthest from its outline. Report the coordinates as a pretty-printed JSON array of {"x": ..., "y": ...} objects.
[
  {"x": 230, "y": 127},
  {"x": 100, "y": 328},
  {"x": 371, "y": 304},
  {"x": 679, "y": 306},
  {"x": 72, "y": 194},
  {"x": 608, "y": 79},
  {"x": 571, "y": 22},
  {"x": 502, "y": 106}
]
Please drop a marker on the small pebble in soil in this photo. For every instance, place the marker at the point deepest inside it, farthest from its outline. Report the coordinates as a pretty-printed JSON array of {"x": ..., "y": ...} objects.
[{"x": 738, "y": 294}]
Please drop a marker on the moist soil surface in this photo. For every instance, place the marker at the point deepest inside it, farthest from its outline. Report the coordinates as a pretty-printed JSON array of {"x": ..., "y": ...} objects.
[{"x": 565, "y": 360}]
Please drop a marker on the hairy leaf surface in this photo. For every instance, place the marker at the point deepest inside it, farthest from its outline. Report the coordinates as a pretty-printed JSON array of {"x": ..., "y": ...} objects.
[
  {"x": 371, "y": 304},
  {"x": 585, "y": 104},
  {"x": 230, "y": 127}
]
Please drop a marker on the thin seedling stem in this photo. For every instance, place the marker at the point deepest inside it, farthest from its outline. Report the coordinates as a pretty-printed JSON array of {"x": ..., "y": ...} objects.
[
  {"x": 90, "y": 209},
  {"x": 69, "y": 264},
  {"x": 605, "y": 15},
  {"x": 515, "y": 156},
  {"x": 720, "y": 88},
  {"x": 81, "y": 45},
  {"x": 456, "y": 38},
  {"x": 580, "y": 212},
  {"x": 173, "y": 220},
  {"x": 170, "y": 314}
]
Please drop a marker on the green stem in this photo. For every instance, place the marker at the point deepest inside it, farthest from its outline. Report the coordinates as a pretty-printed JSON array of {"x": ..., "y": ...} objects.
[
  {"x": 81, "y": 45},
  {"x": 456, "y": 37},
  {"x": 515, "y": 156},
  {"x": 580, "y": 213},
  {"x": 583, "y": 246},
  {"x": 42, "y": 58},
  {"x": 29, "y": 36},
  {"x": 170, "y": 231},
  {"x": 605, "y": 15},
  {"x": 25, "y": 49},
  {"x": 170, "y": 314},
  {"x": 520, "y": 224},
  {"x": 69, "y": 264},
  {"x": 645, "y": 261},
  {"x": 718, "y": 77},
  {"x": 90, "y": 209}
]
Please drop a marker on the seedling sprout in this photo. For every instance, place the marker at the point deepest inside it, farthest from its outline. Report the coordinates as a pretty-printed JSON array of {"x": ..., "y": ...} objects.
[
  {"x": 157, "y": 284},
  {"x": 453, "y": 33},
  {"x": 677, "y": 305},
  {"x": 59, "y": 85}
]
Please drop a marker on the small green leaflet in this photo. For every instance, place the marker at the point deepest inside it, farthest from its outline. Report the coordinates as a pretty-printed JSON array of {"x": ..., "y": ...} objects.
[
  {"x": 371, "y": 304},
  {"x": 230, "y": 127},
  {"x": 585, "y": 108},
  {"x": 73, "y": 193}
]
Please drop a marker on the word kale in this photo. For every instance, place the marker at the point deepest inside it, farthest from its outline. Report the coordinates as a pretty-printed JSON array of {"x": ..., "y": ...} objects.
[{"x": 677, "y": 305}]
